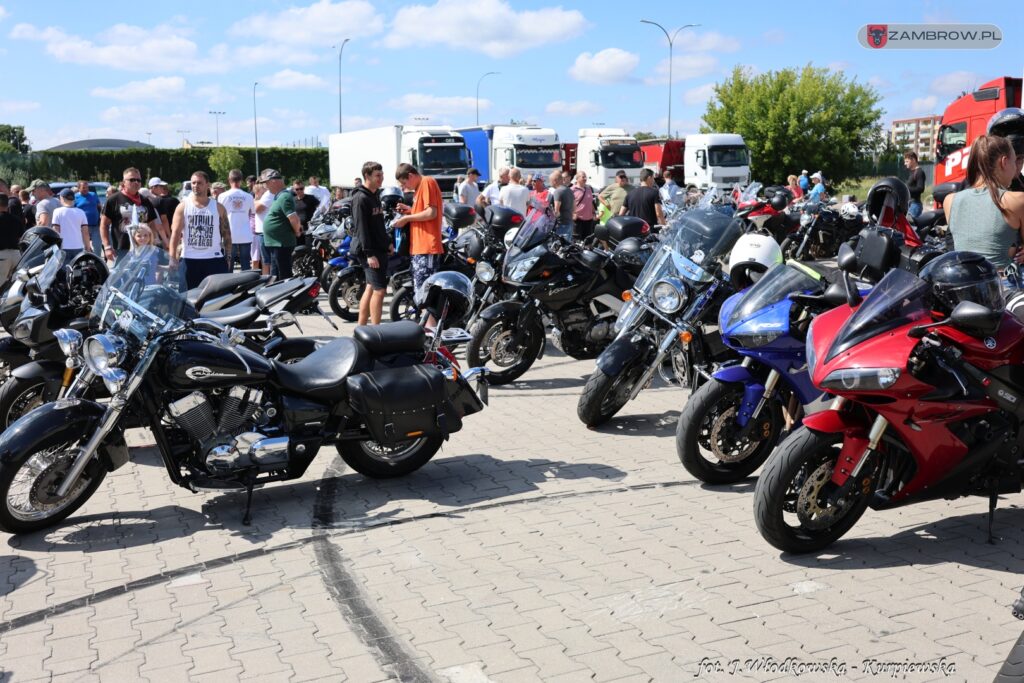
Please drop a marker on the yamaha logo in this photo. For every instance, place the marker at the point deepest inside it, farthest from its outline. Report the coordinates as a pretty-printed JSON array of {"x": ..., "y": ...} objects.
[
  {"x": 201, "y": 372},
  {"x": 990, "y": 343}
]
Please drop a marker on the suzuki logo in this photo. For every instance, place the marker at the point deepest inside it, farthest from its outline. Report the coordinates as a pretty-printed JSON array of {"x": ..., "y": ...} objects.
[
  {"x": 200, "y": 372},
  {"x": 878, "y": 35}
]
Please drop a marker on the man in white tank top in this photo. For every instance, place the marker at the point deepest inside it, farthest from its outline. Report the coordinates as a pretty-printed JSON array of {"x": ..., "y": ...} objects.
[{"x": 202, "y": 231}]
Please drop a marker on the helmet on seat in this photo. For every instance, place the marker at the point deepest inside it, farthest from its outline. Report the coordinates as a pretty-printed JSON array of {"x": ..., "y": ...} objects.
[
  {"x": 963, "y": 276},
  {"x": 887, "y": 200},
  {"x": 751, "y": 257},
  {"x": 49, "y": 237},
  {"x": 781, "y": 199},
  {"x": 449, "y": 289}
]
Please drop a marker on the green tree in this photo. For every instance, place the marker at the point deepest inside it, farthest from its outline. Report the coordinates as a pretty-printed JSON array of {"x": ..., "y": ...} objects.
[
  {"x": 223, "y": 159},
  {"x": 642, "y": 135},
  {"x": 15, "y": 137},
  {"x": 790, "y": 119},
  {"x": 7, "y": 148}
]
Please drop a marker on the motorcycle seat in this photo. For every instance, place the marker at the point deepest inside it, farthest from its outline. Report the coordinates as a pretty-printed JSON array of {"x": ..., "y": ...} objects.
[
  {"x": 240, "y": 315},
  {"x": 929, "y": 218},
  {"x": 397, "y": 337},
  {"x": 321, "y": 375},
  {"x": 828, "y": 273},
  {"x": 272, "y": 294},
  {"x": 216, "y": 285}
]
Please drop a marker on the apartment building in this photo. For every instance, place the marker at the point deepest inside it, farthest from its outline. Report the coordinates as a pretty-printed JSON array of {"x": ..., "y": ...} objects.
[{"x": 916, "y": 134}]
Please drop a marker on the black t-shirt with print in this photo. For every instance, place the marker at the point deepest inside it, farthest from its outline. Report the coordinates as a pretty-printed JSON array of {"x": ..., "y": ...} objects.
[
  {"x": 119, "y": 211},
  {"x": 640, "y": 202},
  {"x": 165, "y": 206}
]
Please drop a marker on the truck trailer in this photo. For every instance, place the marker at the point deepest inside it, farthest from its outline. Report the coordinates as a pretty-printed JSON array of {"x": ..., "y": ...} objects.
[
  {"x": 531, "y": 149},
  {"x": 436, "y": 151}
]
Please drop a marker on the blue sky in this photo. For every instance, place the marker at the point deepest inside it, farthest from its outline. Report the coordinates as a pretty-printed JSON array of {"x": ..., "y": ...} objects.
[{"x": 76, "y": 74}]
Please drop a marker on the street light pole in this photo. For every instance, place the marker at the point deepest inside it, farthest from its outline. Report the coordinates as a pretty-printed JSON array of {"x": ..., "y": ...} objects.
[
  {"x": 183, "y": 134},
  {"x": 671, "y": 40},
  {"x": 341, "y": 50},
  {"x": 216, "y": 123},
  {"x": 489, "y": 73},
  {"x": 255, "y": 129}
]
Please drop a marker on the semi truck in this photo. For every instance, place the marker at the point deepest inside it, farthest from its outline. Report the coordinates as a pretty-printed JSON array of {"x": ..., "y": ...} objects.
[
  {"x": 436, "y": 151},
  {"x": 964, "y": 120},
  {"x": 700, "y": 159},
  {"x": 531, "y": 149},
  {"x": 603, "y": 152}
]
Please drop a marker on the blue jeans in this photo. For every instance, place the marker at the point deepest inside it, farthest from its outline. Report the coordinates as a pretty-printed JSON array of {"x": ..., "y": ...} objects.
[
  {"x": 280, "y": 261},
  {"x": 196, "y": 269},
  {"x": 94, "y": 236},
  {"x": 915, "y": 209},
  {"x": 243, "y": 254}
]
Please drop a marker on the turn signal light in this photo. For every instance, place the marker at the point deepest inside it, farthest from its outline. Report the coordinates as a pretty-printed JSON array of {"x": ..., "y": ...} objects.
[
  {"x": 545, "y": 273},
  {"x": 412, "y": 434},
  {"x": 686, "y": 336},
  {"x": 470, "y": 260},
  {"x": 627, "y": 295}
]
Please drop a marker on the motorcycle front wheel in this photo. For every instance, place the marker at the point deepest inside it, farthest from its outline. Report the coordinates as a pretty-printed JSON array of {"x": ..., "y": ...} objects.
[
  {"x": 29, "y": 482},
  {"x": 493, "y": 346},
  {"x": 604, "y": 395},
  {"x": 344, "y": 296},
  {"x": 708, "y": 424},
  {"x": 789, "y": 506},
  {"x": 20, "y": 396},
  {"x": 403, "y": 306},
  {"x": 379, "y": 461}
]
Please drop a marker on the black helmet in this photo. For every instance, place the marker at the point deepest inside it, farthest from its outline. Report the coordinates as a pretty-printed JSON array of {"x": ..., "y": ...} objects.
[
  {"x": 887, "y": 199},
  {"x": 390, "y": 197},
  {"x": 630, "y": 252},
  {"x": 49, "y": 237},
  {"x": 1009, "y": 123},
  {"x": 963, "y": 276},
  {"x": 449, "y": 288},
  {"x": 344, "y": 207},
  {"x": 781, "y": 198}
]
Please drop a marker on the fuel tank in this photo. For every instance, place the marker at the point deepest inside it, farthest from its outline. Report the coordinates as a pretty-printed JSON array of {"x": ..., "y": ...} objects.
[{"x": 191, "y": 364}]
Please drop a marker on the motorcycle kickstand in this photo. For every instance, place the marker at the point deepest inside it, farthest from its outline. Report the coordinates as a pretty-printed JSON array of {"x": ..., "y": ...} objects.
[
  {"x": 247, "y": 518},
  {"x": 993, "y": 497}
]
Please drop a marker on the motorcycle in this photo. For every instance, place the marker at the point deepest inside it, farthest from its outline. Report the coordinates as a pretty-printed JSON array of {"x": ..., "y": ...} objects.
[
  {"x": 926, "y": 407},
  {"x": 669, "y": 317},
  {"x": 224, "y": 417},
  {"x": 576, "y": 290},
  {"x": 821, "y": 231}
]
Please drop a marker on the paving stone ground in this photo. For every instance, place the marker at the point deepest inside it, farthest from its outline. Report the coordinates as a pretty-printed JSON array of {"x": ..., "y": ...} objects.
[{"x": 530, "y": 548}]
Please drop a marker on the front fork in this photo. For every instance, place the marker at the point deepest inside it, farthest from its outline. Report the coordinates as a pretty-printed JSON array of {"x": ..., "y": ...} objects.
[
  {"x": 746, "y": 421},
  {"x": 847, "y": 471},
  {"x": 667, "y": 342}
]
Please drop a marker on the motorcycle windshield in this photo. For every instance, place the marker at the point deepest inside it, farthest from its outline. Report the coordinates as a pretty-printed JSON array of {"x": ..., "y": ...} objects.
[
  {"x": 897, "y": 300},
  {"x": 141, "y": 294},
  {"x": 698, "y": 239},
  {"x": 54, "y": 261},
  {"x": 533, "y": 233},
  {"x": 749, "y": 193},
  {"x": 778, "y": 283},
  {"x": 33, "y": 255}
]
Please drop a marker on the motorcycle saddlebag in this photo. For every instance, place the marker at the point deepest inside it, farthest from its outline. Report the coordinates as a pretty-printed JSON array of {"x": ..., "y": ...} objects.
[
  {"x": 459, "y": 215},
  {"x": 398, "y": 404},
  {"x": 619, "y": 228}
]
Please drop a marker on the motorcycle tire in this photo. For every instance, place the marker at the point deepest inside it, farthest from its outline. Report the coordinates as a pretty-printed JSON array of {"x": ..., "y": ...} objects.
[
  {"x": 403, "y": 307},
  {"x": 327, "y": 276},
  {"x": 802, "y": 455},
  {"x": 1012, "y": 669},
  {"x": 344, "y": 296},
  {"x": 786, "y": 247},
  {"x": 695, "y": 428},
  {"x": 605, "y": 395},
  {"x": 477, "y": 355},
  {"x": 378, "y": 464},
  {"x": 14, "y": 522},
  {"x": 19, "y": 396}
]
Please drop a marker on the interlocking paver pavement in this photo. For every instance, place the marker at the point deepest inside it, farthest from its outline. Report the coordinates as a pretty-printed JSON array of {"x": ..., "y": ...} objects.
[{"x": 530, "y": 548}]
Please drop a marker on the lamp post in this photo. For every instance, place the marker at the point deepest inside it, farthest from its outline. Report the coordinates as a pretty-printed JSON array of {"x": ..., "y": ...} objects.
[
  {"x": 255, "y": 129},
  {"x": 489, "y": 73},
  {"x": 341, "y": 49},
  {"x": 183, "y": 134},
  {"x": 671, "y": 40},
  {"x": 216, "y": 123},
  {"x": 149, "y": 138}
]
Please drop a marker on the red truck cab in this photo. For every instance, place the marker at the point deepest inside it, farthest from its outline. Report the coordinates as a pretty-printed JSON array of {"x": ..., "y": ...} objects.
[{"x": 964, "y": 120}]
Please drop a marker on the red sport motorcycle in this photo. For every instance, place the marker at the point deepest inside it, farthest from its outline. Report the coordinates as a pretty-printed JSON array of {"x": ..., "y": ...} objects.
[{"x": 928, "y": 375}]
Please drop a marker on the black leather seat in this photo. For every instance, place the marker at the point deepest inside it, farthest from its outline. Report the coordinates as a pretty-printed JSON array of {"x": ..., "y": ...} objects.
[
  {"x": 237, "y": 316},
  {"x": 396, "y": 337},
  {"x": 321, "y": 375},
  {"x": 216, "y": 285},
  {"x": 271, "y": 294}
]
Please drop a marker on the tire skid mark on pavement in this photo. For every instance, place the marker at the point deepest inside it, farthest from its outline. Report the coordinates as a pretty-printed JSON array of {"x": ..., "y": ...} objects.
[
  {"x": 38, "y": 616},
  {"x": 344, "y": 588}
]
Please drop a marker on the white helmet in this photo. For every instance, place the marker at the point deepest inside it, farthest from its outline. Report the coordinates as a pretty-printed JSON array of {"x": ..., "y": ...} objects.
[
  {"x": 849, "y": 211},
  {"x": 751, "y": 257}
]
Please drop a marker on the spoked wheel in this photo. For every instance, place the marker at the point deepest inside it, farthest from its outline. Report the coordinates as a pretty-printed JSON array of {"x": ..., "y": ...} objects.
[
  {"x": 344, "y": 297},
  {"x": 403, "y": 306},
  {"x": 791, "y": 504},
  {"x": 19, "y": 397},
  {"x": 493, "y": 345},
  {"x": 381, "y": 461},
  {"x": 28, "y": 486},
  {"x": 710, "y": 443},
  {"x": 604, "y": 395}
]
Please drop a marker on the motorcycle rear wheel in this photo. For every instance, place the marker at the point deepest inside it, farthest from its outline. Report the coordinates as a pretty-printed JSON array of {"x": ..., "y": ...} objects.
[
  {"x": 490, "y": 344},
  {"x": 403, "y": 306},
  {"x": 789, "y": 486},
  {"x": 605, "y": 395},
  {"x": 344, "y": 297},
  {"x": 377, "y": 461},
  {"x": 307, "y": 265}
]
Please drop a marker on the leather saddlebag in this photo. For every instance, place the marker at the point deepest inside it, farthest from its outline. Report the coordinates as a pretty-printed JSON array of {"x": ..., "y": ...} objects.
[{"x": 398, "y": 404}]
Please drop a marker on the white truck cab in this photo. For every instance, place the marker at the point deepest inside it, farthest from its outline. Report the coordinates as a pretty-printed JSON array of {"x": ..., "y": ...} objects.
[
  {"x": 532, "y": 149},
  {"x": 603, "y": 152},
  {"x": 716, "y": 158}
]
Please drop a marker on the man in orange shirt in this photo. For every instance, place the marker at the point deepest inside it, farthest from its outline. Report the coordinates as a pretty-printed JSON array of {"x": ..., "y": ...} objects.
[{"x": 424, "y": 221}]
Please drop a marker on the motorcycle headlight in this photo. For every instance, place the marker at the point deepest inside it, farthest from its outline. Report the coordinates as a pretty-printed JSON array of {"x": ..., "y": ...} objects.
[
  {"x": 861, "y": 379},
  {"x": 806, "y": 219},
  {"x": 114, "y": 379},
  {"x": 669, "y": 295},
  {"x": 510, "y": 235},
  {"x": 103, "y": 351},
  {"x": 70, "y": 342},
  {"x": 484, "y": 271},
  {"x": 812, "y": 357},
  {"x": 752, "y": 341},
  {"x": 521, "y": 268}
]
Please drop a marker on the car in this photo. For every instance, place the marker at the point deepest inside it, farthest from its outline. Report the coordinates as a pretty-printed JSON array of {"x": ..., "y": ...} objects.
[{"x": 99, "y": 188}]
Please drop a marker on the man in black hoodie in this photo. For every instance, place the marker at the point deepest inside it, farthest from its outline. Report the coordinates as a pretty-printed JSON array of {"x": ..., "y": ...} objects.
[{"x": 370, "y": 242}]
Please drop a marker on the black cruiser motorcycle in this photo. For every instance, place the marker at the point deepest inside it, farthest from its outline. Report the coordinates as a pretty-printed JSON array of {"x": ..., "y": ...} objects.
[{"x": 224, "y": 417}]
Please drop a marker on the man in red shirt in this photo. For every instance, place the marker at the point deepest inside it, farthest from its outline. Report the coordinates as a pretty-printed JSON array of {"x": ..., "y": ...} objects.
[{"x": 424, "y": 221}]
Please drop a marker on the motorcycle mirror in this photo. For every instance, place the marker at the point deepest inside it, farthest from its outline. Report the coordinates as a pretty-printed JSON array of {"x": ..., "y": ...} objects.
[
  {"x": 846, "y": 258},
  {"x": 835, "y": 295},
  {"x": 975, "y": 319}
]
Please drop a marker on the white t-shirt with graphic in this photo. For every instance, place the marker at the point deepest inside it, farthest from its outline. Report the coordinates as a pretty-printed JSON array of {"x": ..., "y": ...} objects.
[
  {"x": 239, "y": 204},
  {"x": 200, "y": 233},
  {"x": 68, "y": 221}
]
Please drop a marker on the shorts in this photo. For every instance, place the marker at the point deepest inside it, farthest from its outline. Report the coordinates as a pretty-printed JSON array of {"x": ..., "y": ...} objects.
[
  {"x": 377, "y": 278},
  {"x": 257, "y": 243},
  {"x": 423, "y": 266}
]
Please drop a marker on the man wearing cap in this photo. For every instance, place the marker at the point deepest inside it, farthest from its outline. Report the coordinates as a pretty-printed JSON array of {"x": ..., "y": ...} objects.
[
  {"x": 123, "y": 210},
  {"x": 614, "y": 196},
  {"x": 163, "y": 202},
  {"x": 281, "y": 226},
  {"x": 818, "y": 191},
  {"x": 538, "y": 193},
  {"x": 469, "y": 190},
  {"x": 46, "y": 203},
  {"x": 71, "y": 223}
]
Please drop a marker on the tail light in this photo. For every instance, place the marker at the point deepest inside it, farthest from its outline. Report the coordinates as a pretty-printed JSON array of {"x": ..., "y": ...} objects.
[
  {"x": 314, "y": 291},
  {"x": 516, "y": 219}
]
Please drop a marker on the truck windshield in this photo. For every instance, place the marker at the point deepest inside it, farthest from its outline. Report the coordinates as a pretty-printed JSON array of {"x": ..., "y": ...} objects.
[
  {"x": 731, "y": 155},
  {"x": 538, "y": 157},
  {"x": 435, "y": 158},
  {"x": 622, "y": 156}
]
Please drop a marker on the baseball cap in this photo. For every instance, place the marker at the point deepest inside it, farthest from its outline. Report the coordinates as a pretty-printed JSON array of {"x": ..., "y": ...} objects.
[
  {"x": 816, "y": 175},
  {"x": 472, "y": 171},
  {"x": 37, "y": 183},
  {"x": 67, "y": 193},
  {"x": 269, "y": 174},
  {"x": 803, "y": 172},
  {"x": 154, "y": 181},
  {"x": 621, "y": 174}
]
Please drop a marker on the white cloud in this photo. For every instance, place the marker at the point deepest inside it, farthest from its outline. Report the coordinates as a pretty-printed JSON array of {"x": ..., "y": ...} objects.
[
  {"x": 322, "y": 23},
  {"x": 17, "y": 106},
  {"x": 952, "y": 84},
  {"x": 610, "y": 65},
  {"x": 684, "y": 67},
  {"x": 159, "y": 88},
  {"x": 712, "y": 41},
  {"x": 289, "y": 79},
  {"x": 492, "y": 27},
  {"x": 924, "y": 105},
  {"x": 432, "y": 104},
  {"x": 3, "y": 13},
  {"x": 578, "y": 108},
  {"x": 118, "y": 113},
  {"x": 699, "y": 95}
]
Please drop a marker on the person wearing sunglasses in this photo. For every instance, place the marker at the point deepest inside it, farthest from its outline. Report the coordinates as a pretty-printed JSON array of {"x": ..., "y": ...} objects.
[{"x": 124, "y": 209}]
